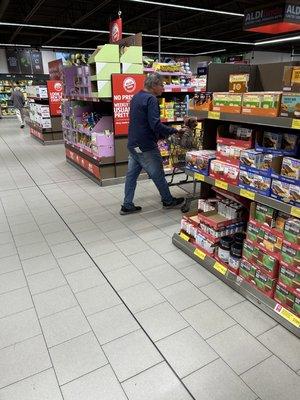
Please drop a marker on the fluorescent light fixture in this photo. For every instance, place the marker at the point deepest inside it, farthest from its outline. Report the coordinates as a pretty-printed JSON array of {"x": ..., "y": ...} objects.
[
  {"x": 184, "y": 54},
  {"x": 279, "y": 40},
  {"x": 67, "y": 48},
  {"x": 156, "y": 3},
  {"x": 210, "y": 52},
  {"x": 63, "y": 28},
  {"x": 14, "y": 45}
]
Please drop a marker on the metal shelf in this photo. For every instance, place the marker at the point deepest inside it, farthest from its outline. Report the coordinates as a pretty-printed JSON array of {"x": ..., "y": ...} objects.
[
  {"x": 268, "y": 201},
  {"x": 276, "y": 122},
  {"x": 266, "y": 304}
]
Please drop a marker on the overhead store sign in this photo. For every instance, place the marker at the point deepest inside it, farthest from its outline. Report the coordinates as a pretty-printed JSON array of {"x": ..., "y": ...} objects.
[
  {"x": 56, "y": 69},
  {"x": 281, "y": 18},
  {"x": 115, "y": 30},
  {"x": 55, "y": 97},
  {"x": 124, "y": 87}
]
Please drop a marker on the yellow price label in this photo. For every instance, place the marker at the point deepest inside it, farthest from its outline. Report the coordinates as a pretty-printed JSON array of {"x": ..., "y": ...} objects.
[
  {"x": 221, "y": 184},
  {"x": 213, "y": 115},
  {"x": 164, "y": 153},
  {"x": 286, "y": 314},
  {"x": 295, "y": 212},
  {"x": 247, "y": 193},
  {"x": 198, "y": 177},
  {"x": 199, "y": 253},
  {"x": 184, "y": 236},
  {"x": 296, "y": 123},
  {"x": 220, "y": 268}
]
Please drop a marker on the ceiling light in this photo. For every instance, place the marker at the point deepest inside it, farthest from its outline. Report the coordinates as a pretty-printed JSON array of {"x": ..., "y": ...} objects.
[
  {"x": 67, "y": 48},
  {"x": 210, "y": 52},
  {"x": 280, "y": 40},
  {"x": 126, "y": 33},
  {"x": 156, "y": 3},
  {"x": 14, "y": 45}
]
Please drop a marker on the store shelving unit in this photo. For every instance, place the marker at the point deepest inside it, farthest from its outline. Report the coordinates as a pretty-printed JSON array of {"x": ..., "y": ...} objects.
[
  {"x": 268, "y": 305},
  {"x": 289, "y": 320}
]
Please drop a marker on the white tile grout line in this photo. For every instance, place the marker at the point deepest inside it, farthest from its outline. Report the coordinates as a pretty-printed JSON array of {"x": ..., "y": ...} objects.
[{"x": 145, "y": 332}]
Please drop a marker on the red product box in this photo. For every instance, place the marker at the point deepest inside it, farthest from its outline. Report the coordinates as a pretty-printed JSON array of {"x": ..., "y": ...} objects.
[
  {"x": 289, "y": 277},
  {"x": 223, "y": 138},
  {"x": 264, "y": 283},
  {"x": 224, "y": 171},
  {"x": 287, "y": 298}
]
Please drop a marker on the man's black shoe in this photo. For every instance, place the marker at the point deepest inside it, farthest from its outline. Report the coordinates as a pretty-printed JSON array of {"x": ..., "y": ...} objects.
[
  {"x": 134, "y": 209},
  {"x": 175, "y": 202},
  {"x": 22, "y": 126}
]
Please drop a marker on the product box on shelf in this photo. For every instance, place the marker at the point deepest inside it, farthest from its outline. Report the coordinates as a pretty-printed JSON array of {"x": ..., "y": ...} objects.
[
  {"x": 290, "y": 168},
  {"x": 291, "y": 78},
  {"x": 101, "y": 89},
  {"x": 290, "y": 105},
  {"x": 287, "y": 298},
  {"x": 216, "y": 220},
  {"x": 224, "y": 171},
  {"x": 238, "y": 83},
  {"x": 131, "y": 68},
  {"x": 260, "y": 163},
  {"x": 227, "y": 102},
  {"x": 106, "y": 53},
  {"x": 284, "y": 191},
  {"x": 247, "y": 270},
  {"x": 285, "y": 144},
  {"x": 229, "y": 154},
  {"x": 131, "y": 54},
  {"x": 261, "y": 103},
  {"x": 199, "y": 160},
  {"x": 254, "y": 182},
  {"x": 290, "y": 254},
  {"x": 236, "y": 136},
  {"x": 290, "y": 277},
  {"x": 201, "y": 101},
  {"x": 291, "y": 230},
  {"x": 264, "y": 283}
]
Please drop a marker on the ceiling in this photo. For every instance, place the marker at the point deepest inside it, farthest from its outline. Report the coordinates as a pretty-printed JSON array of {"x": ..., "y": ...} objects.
[{"x": 137, "y": 17}]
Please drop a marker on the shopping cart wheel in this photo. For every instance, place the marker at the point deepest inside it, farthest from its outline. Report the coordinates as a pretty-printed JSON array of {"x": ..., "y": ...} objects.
[{"x": 186, "y": 206}]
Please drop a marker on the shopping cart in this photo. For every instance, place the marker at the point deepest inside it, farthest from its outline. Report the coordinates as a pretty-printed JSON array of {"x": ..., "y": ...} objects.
[{"x": 189, "y": 138}]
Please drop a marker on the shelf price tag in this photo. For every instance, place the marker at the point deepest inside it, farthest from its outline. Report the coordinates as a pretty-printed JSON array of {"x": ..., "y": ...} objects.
[
  {"x": 199, "y": 253},
  {"x": 286, "y": 314},
  {"x": 247, "y": 193},
  {"x": 198, "y": 177},
  {"x": 213, "y": 115},
  {"x": 220, "y": 268},
  {"x": 296, "y": 123},
  {"x": 221, "y": 184},
  {"x": 295, "y": 212},
  {"x": 184, "y": 236}
]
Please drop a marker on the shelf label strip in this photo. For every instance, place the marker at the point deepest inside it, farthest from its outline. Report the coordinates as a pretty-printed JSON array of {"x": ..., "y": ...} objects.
[
  {"x": 198, "y": 177},
  {"x": 199, "y": 253},
  {"x": 295, "y": 212},
  {"x": 213, "y": 115},
  {"x": 296, "y": 123},
  {"x": 220, "y": 268},
  {"x": 286, "y": 314},
  {"x": 184, "y": 236},
  {"x": 248, "y": 194},
  {"x": 221, "y": 184}
]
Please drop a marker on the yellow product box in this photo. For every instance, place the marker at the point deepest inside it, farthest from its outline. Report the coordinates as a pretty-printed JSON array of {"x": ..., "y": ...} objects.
[
  {"x": 131, "y": 68},
  {"x": 169, "y": 113},
  {"x": 102, "y": 70}
]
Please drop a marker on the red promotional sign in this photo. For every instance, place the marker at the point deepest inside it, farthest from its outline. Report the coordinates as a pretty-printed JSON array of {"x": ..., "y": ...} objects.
[
  {"x": 55, "y": 69},
  {"x": 124, "y": 87},
  {"x": 115, "y": 30},
  {"x": 85, "y": 164},
  {"x": 55, "y": 97}
]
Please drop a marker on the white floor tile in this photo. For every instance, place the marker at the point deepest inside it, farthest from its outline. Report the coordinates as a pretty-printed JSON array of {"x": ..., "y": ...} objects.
[
  {"x": 75, "y": 263},
  {"x": 9, "y": 264},
  {"x": 125, "y": 277},
  {"x": 146, "y": 260},
  {"x": 11, "y": 281},
  {"x": 15, "y": 301},
  {"x": 111, "y": 261},
  {"x": 183, "y": 295},
  {"x": 131, "y": 354},
  {"x": 66, "y": 249},
  {"x": 53, "y": 301},
  {"x": 97, "y": 299},
  {"x": 46, "y": 280},
  {"x": 222, "y": 294},
  {"x": 163, "y": 275},
  {"x": 77, "y": 357},
  {"x": 141, "y": 297},
  {"x": 85, "y": 279}
]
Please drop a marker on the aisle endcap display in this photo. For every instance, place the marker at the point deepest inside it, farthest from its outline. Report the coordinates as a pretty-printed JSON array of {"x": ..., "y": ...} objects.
[{"x": 268, "y": 305}]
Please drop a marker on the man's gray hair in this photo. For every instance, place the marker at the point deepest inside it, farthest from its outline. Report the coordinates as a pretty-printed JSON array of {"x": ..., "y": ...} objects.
[{"x": 152, "y": 80}]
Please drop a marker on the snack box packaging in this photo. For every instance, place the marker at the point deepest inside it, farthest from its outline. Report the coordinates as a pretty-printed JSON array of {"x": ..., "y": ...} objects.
[
  {"x": 261, "y": 103},
  {"x": 260, "y": 163},
  {"x": 272, "y": 140},
  {"x": 254, "y": 182},
  {"x": 250, "y": 252},
  {"x": 199, "y": 160},
  {"x": 290, "y": 105},
  {"x": 285, "y": 191},
  {"x": 291, "y": 78},
  {"x": 290, "y": 144},
  {"x": 253, "y": 232},
  {"x": 265, "y": 214},
  {"x": 290, "y": 254},
  {"x": 290, "y": 277},
  {"x": 247, "y": 270},
  {"x": 224, "y": 171},
  {"x": 291, "y": 230},
  {"x": 290, "y": 168},
  {"x": 268, "y": 264},
  {"x": 287, "y": 298},
  {"x": 264, "y": 283}
]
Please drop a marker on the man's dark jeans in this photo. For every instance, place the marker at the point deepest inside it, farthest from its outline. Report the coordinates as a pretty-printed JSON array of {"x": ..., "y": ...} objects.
[{"x": 151, "y": 162}]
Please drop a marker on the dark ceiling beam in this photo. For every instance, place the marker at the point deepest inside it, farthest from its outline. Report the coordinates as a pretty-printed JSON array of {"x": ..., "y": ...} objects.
[
  {"x": 3, "y": 7},
  {"x": 27, "y": 18},
  {"x": 79, "y": 20}
]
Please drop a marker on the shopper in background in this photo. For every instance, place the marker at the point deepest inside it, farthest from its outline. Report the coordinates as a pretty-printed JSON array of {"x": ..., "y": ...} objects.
[
  {"x": 18, "y": 101},
  {"x": 145, "y": 129}
]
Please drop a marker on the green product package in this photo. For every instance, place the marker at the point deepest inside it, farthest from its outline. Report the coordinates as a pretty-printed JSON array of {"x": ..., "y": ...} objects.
[
  {"x": 289, "y": 277},
  {"x": 253, "y": 232},
  {"x": 290, "y": 255},
  {"x": 284, "y": 296},
  {"x": 265, "y": 214},
  {"x": 247, "y": 270},
  {"x": 296, "y": 305},
  {"x": 292, "y": 230},
  {"x": 268, "y": 261}
]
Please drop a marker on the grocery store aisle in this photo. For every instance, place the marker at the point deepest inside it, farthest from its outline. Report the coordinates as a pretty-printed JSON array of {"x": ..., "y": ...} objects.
[{"x": 98, "y": 306}]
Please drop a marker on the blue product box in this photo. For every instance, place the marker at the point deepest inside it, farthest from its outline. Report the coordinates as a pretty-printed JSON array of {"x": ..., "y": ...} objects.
[
  {"x": 255, "y": 182},
  {"x": 200, "y": 171},
  {"x": 283, "y": 190},
  {"x": 289, "y": 144}
]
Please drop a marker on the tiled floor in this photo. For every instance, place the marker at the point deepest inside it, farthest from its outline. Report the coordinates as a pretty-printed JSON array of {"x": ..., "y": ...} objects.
[{"x": 98, "y": 306}]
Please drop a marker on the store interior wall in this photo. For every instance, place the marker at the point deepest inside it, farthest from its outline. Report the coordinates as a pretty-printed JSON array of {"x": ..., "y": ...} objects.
[
  {"x": 3, "y": 62},
  {"x": 195, "y": 60},
  {"x": 268, "y": 57}
]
